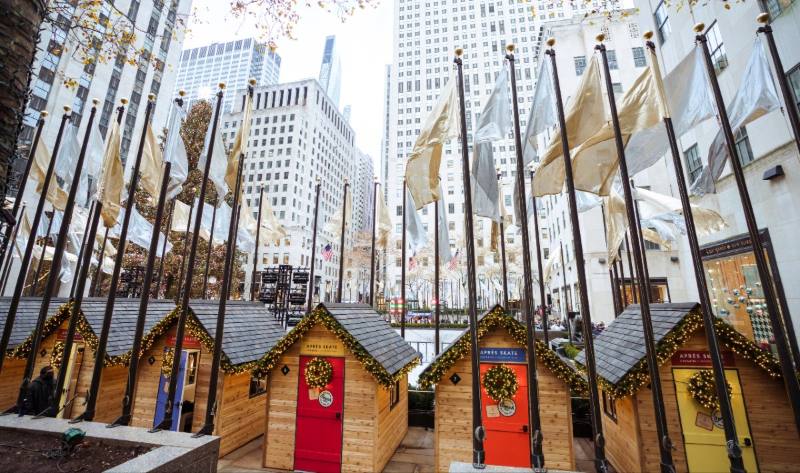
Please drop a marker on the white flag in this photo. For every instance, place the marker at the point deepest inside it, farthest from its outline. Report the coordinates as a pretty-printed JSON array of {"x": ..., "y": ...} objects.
[
  {"x": 755, "y": 98},
  {"x": 180, "y": 217},
  {"x": 543, "y": 112},
  {"x": 384, "y": 223},
  {"x": 655, "y": 206},
  {"x": 494, "y": 124},
  {"x": 175, "y": 152},
  {"x": 140, "y": 231},
  {"x": 271, "y": 228},
  {"x": 443, "y": 238},
  {"x": 219, "y": 160},
  {"x": 416, "y": 237}
]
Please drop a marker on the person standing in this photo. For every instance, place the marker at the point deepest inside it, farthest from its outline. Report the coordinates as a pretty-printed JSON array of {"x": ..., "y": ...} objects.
[{"x": 40, "y": 393}]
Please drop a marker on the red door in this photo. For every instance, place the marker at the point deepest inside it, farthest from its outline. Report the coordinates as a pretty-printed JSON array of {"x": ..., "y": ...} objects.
[
  {"x": 507, "y": 438},
  {"x": 318, "y": 435}
]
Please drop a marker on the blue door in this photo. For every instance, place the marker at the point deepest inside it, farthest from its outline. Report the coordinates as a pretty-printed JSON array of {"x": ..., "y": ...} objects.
[{"x": 163, "y": 392}]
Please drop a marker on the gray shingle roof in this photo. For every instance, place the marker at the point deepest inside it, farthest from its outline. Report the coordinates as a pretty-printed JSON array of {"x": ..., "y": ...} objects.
[
  {"x": 621, "y": 345},
  {"x": 27, "y": 312},
  {"x": 250, "y": 329},
  {"x": 123, "y": 320},
  {"x": 377, "y": 337}
]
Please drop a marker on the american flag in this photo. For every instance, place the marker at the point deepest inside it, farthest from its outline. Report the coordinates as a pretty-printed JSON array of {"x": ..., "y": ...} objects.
[
  {"x": 412, "y": 263},
  {"x": 453, "y": 261},
  {"x": 327, "y": 252}
]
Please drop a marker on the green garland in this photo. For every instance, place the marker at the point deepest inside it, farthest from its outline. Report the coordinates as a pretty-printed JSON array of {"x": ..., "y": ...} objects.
[
  {"x": 318, "y": 373},
  {"x": 500, "y": 383},
  {"x": 703, "y": 389},
  {"x": 497, "y": 318}
]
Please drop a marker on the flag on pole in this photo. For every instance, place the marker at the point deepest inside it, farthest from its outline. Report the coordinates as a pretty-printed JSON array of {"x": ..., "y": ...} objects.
[
  {"x": 175, "y": 151},
  {"x": 443, "y": 238},
  {"x": 412, "y": 263},
  {"x": 543, "y": 115},
  {"x": 454, "y": 260},
  {"x": 327, "y": 252},
  {"x": 585, "y": 115},
  {"x": 219, "y": 160},
  {"x": 239, "y": 143},
  {"x": 416, "y": 236},
  {"x": 180, "y": 217},
  {"x": 41, "y": 160},
  {"x": 152, "y": 164},
  {"x": 271, "y": 228},
  {"x": 384, "y": 223},
  {"x": 140, "y": 232},
  {"x": 109, "y": 188},
  {"x": 422, "y": 167},
  {"x": 655, "y": 206},
  {"x": 755, "y": 98},
  {"x": 494, "y": 124}
]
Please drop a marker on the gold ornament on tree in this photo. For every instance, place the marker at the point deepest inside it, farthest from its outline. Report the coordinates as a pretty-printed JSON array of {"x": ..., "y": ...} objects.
[
  {"x": 703, "y": 389},
  {"x": 500, "y": 383},
  {"x": 318, "y": 373}
]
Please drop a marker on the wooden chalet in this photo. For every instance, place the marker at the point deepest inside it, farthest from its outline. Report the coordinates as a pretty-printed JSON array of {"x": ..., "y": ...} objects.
[
  {"x": 763, "y": 414},
  {"x": 354, "y": 418},
  {"x": 502, "y": 341},
  {"x": 250, "y": 332}
]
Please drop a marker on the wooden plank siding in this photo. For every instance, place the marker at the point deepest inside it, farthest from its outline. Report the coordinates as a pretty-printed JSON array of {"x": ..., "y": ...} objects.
[
  {"x": 241, "y": 417},
  {"x": 10, "y": 380},
  {"x": 453, "y": 419},
  {"x": 623, "y": 437},
  {"x": 392, "y": 423}
]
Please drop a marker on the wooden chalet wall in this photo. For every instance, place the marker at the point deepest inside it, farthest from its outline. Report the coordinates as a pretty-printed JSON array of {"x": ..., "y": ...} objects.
[
  {"x": 241, "y": 417},
  {"x": 453, "y": 432},
  {"x": 775, "y": 438},
  {"x": 10, "y": 380},
  {"x": 371, "y": 429}
]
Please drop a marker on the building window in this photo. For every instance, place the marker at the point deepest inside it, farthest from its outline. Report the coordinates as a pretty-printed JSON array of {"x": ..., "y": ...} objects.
[
  {"x": 693, "y": 163},
  {"x": 649, "y": 245},
  {"x": 610, "y": 406},
  {"x": 633, "y": 30},
  {"x": 717, "y": 48},
  {"x": 617, "y": 86},
  {"x": 258, "y": 383},
  {"x": 743, "y": 149},
  {"x": 394, "y": 395},
  {"x": 662, "y": 22},
  {"x": 612, "y": 59},
  {"x": 638, "y": 57},
  {"x": 774, "y": 7},
  {"x": 580, "y": 65},
  {"x": 794, "y": 82}
]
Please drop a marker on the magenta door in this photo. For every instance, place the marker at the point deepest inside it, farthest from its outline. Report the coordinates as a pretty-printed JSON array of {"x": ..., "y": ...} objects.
[{"x": 318, "y": 434}]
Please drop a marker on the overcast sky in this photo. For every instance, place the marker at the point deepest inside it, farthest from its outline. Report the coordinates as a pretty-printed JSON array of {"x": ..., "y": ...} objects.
[{"x": 364, "y": 42}]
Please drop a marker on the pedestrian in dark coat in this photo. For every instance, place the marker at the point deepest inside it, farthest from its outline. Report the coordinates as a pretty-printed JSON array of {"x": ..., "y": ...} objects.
[{"x": 40, "y": 392}]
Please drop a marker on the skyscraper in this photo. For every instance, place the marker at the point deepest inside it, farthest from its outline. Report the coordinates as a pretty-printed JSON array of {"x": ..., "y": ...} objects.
[
  {"x": 233, "y": 63},
  {"x": 330, "y": 72}
]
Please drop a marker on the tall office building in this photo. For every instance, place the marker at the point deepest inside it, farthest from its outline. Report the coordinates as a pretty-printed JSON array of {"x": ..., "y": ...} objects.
[
  {"x": 330, "y": 72},
  {"x": 387, "y": 96},
  {"x": 234, "y": 63},
  {"x": 363, "y": 191}
]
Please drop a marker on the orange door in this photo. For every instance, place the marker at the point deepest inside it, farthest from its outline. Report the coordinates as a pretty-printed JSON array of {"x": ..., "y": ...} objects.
[{"x": 507, "y": 428}]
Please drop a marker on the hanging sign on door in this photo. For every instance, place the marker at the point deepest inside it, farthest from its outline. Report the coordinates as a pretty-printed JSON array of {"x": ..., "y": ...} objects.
[{"x": 325, "y": 399}]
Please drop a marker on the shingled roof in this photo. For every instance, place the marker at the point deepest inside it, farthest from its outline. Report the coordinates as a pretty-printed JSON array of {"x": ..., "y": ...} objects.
[
  {"x": 27, "y": 313},
  {"x": 497, "y": 317},
  {"x": 123, "y": 320},
  {"x": 250, "y": 329},
  {"x": 382, "y": 352}
]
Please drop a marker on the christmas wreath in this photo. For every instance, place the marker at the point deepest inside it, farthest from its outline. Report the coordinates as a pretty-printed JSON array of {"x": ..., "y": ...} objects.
[
  {"x": 57, "y": 355},
  {"x": 500, "y": 383},
  {"x": 318, "y": 373},
  {"x": 166, "y": 362},
  {"x": 703, "y": 389}
]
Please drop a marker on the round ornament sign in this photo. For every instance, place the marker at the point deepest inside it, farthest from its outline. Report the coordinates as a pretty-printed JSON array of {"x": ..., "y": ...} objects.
[
  {"x": 507, "y": 407},
  {"x": 325, "y": 399}
]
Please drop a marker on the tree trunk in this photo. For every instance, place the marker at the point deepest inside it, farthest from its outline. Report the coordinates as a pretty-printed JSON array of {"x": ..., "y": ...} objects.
[{"x": 20, "y": 21}]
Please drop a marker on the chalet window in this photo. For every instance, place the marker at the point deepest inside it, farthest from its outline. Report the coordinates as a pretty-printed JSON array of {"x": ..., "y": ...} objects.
[
  {"x": 258, "y": 383},
  {"x": 191, "y": 367},
  {"x": 394, "y": 395},
  {"x": 610, "y": 406}
]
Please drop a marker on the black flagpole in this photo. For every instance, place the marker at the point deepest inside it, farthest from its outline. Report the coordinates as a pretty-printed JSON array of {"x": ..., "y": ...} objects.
[
  {"x": 227, "y": 280},
  {"x": 436, "y": 263},
  {"x": 144, "y": 301},
  {"x": 341, "y": 243},
  {"x": 545, "y": 323},
  {"x": 95, "y": 286},
  {"x": 503, "y": 248},
  {"x": 185, "y": 249},
  {"x": 26, "y": 257},
  {"x": 528, "y": 304},
  {"x": 52, "y": 280},
  {"x": 313, "y": 249},
  {"x": 255, "y": 252},
  {"x": 35, "y": 282},
  {"x": 726, "y": 411},
  {"x": 210, "y": 246},
  {"x": 636, "y": 280},
  {"x": 600, "y": 462},
  {"x": 622, "y": 288},
  {"x": 780, "y": 75},
  {"x": 478, "y": 431},
  {"x": 166, "y": 423},
  {"x": 160, "y": 280},
  {"x": 611, "y": 278},
  {"x": 565, "y": 303},
  {"x": 21, "y": 185},
  {"x": 403, "y": 267},
  {"x": 81, "y": 250},
  {"x": 7, "y": 265},
  {"x": 665, "y": 443},
  {"x": 784, "y": 355},
  {"x": 640, "y": 231},
  {"x": 100, "y": 351},
  {"x": 372, "y": 253}
]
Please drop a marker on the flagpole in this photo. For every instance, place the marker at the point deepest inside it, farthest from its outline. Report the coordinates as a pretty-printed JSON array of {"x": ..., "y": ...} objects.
[
  {"x": 157, "y": 291},
  {"x": 255, "y": 252},
  {"x": 503, "y": 246},
  {"x": 645, "y": 269},
  {"x": 403, "y": 266},
  {"x": 22, "y": 183},
  {"x": 436, "y": 312},
  {"x": 734, "y": 451},
  {"x": 313, "y": 248},
  {"x": 478, "y": 431},
  {"x": 52, "y": 280},
  {"x": 341, "y": 243},
  {"x": 565, "y": 303},
  {"x": 10, "y": 258},
  {"x": 373, "y": 253},
  {"x": 144, "y": 301},
  {"x": 635, "y": 276},
  {"x": 26, "y": 258},
  {"x": 614, "y": 294},
  {"x": 210, "y": 246},
  {"x": 81, "y": 250},
  {"x": 594, "y": 397},
  {"x": 183, "y": 305},
  {"x": 100, "y": 350},
  {"x": 545, "y": 327},
  {"x": 665, "y": 443},
  {"x": 784, "y": 355},
  {"x": 35, "y": 282},
  {"x": 623, "y": 291},
  {"x": 180, "y": 288},
  {"x": 786, "y": 91},
  {"x": 95, "y": 286}
]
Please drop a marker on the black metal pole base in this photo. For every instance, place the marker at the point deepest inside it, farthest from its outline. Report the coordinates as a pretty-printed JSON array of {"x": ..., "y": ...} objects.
[
  {"x": 11, "y": 410},
  {"x": 165, "y": 424},
  {"x": 124, "y": 419},
  {"x": 479, "y": 459},
  {"x": 206, "y": 429},
  {"x": 87, "y": 416},
  {"x": 537, "y": 456}
]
